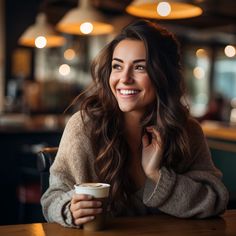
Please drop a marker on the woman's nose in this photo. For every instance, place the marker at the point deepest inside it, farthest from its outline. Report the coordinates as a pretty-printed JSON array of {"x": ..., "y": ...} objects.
[{"x": 127, "y": 77}]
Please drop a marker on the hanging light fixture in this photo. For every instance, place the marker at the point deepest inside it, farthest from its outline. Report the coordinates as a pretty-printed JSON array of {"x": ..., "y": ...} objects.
[
  {"x": 84, "y": 20},
  {"x": 161, "y": 9},
  {"x": 41, "y": 35}
]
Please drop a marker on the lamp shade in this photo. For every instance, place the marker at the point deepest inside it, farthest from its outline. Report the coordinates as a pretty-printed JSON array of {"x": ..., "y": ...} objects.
[
  {"x": 41, "y": 29},
  {"x": 84, "y": 14},
  {"x": 152, "y": 9}
]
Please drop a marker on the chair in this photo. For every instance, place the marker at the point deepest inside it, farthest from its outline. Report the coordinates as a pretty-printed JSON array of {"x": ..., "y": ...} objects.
[
  {"x": 45, "y": 159},
  {"x": 33, "y": 182}
]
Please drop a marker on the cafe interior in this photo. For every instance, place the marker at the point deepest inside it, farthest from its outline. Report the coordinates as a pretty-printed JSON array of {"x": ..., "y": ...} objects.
[{"x": 46, "y": 47}]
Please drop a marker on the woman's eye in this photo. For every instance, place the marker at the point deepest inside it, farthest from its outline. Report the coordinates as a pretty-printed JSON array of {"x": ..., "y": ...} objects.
[
  {"x": 116, "y": 67},
  {"x": 140, "y": 67}
]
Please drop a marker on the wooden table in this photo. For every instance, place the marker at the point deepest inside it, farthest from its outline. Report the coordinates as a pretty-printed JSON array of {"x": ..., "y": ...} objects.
[{"x": 162, "y": 225}]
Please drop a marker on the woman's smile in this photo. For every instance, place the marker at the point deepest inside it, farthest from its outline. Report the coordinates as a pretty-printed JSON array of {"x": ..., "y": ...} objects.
[{"x": 128, "y": 91}]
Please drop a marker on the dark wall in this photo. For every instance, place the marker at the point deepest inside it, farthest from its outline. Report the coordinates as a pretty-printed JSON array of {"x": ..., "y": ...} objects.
[
  {"x": 18, "y": 170},
  {"x": 18, "y": 16}
]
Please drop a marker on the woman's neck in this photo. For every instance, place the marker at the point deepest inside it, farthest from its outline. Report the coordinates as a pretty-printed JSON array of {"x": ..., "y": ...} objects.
[
  {"x": 133, "y": 133},
  {"x": 133, "y": 129}
]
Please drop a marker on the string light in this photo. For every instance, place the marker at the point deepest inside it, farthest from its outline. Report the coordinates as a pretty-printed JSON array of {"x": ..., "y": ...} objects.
[
  {"x": 200, "y": 53},
  {"x": 64, "y": 69},
  {"x": 198, "y": 72},
  {"x": 69, "y": 54}
]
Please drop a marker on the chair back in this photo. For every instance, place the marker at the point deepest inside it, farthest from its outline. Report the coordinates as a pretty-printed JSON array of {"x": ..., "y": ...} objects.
[{"x": 45, "y": 158}]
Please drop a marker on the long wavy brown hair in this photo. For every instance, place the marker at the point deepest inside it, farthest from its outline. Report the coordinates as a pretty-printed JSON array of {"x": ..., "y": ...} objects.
[{"x": 167, "y": 113}]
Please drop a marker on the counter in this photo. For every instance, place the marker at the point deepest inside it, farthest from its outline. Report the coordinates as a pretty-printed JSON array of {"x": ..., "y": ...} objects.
[
  {"x": 13, "y": 123},
  {"x": 219, "y": 130}
]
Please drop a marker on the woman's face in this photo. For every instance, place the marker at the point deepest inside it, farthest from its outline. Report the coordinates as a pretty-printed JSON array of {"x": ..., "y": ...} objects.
[{"x": 129, "y": 80}]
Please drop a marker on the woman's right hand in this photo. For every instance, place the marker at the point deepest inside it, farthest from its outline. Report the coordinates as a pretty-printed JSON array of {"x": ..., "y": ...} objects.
[{"x": 84, "y": 208}]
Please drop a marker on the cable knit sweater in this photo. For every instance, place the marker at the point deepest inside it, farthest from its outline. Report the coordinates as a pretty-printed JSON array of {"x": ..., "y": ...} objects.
[{"x": 196, "y": 192}]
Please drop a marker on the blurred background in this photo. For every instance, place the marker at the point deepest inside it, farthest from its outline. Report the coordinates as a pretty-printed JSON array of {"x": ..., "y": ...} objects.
[{"x": 45, "y": 56}]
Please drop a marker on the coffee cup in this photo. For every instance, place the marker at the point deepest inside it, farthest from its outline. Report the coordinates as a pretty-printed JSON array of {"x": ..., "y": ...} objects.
[{"x": 100, "y": 191}]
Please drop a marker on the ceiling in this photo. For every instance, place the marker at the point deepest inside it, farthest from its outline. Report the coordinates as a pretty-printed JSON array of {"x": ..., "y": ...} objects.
[{"x": 218, "y": 21}]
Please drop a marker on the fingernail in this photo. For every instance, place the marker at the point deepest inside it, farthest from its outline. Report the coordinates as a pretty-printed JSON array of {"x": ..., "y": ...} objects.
[
  {"x": 99, "y": 203},
  {"x": 92, "y": 217}
]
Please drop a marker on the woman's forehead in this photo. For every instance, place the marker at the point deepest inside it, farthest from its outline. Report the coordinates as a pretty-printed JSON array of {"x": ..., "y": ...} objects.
[{"x": 130, "y": 48}]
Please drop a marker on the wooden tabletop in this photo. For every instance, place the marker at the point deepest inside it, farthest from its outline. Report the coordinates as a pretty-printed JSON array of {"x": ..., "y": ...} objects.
[{"x": 161, "y": 225}]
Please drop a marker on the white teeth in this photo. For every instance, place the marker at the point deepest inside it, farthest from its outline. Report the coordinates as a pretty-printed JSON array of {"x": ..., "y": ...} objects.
[{"x": 123, "y": 91}]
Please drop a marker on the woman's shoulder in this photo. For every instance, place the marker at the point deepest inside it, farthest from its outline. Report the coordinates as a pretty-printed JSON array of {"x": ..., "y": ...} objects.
[
  {"x": 74, "y": 148},
  {"x": 75, "y": 118},
  {"x": 78, "y": 119},
  {"x": 75, "y": 137},
  {"x": 77, "y": 127}
]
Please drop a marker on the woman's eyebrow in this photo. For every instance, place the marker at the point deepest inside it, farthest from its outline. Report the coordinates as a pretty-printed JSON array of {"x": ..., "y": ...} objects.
[
  {"x": 117, "y": 59},
  {"x": 135, "y": 61},
  {"x": 139, "y": 60}
]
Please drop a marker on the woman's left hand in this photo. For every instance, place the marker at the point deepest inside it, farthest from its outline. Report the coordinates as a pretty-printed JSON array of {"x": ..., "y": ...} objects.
[{"x": 152, "y": 154}]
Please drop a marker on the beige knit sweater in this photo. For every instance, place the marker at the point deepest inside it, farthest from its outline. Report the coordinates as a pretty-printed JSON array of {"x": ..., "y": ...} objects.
[{"x": 196, "y": 192}]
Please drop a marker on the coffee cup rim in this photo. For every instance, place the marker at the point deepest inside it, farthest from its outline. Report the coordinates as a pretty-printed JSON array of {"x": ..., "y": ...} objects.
[{"x": 103, "y": 185}]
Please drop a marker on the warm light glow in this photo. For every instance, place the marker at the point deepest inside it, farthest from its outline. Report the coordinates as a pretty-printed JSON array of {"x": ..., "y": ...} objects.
[
  {"x": 86, "y": 28},
  {"x": 199, "y": 72},
  {"x": 40, "y": 42},
  {"x": 41, "y": 34},
  {"x": 148, "y": 9},
  {"x": 163, "y": 8},
  {"x": 230, "y": 51},
  {"x": 201, "y": 53},
  {"x": 84, "y": 19},
  {"x": 69, "y": 54},
  {"x": 64, "y": 69},
  {"x": 51, "y": 41}
]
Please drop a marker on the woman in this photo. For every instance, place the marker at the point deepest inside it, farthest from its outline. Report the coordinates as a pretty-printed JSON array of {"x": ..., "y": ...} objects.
[{"x": 133, "y": 132}]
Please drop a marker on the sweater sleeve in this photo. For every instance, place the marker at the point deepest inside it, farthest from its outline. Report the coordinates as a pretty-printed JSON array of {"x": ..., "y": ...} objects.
[
  {"x": 69, "y": 168},
  {"x": 198, "y": 192}
]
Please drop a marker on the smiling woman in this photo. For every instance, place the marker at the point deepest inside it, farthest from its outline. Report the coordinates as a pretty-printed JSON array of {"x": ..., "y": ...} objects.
[
  {"x": 134, "y": 133},
  {"x": 129, "y": 80}
]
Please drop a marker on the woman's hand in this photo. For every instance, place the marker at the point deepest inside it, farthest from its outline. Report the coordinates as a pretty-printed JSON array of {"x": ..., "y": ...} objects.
[
  {"x": 152, "y": 154},
  {"x": 84, "y": 208}
]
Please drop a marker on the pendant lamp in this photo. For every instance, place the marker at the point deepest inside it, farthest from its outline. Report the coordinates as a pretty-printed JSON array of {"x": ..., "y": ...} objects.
[
  {"x": 84, "y": 19},
  {"x": 41, "y": 34},
  {"x": 161, "y": 9}
]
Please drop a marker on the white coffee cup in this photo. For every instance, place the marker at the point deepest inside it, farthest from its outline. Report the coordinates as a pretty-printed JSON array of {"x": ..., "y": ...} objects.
[{"x": 99, "y": 191}]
